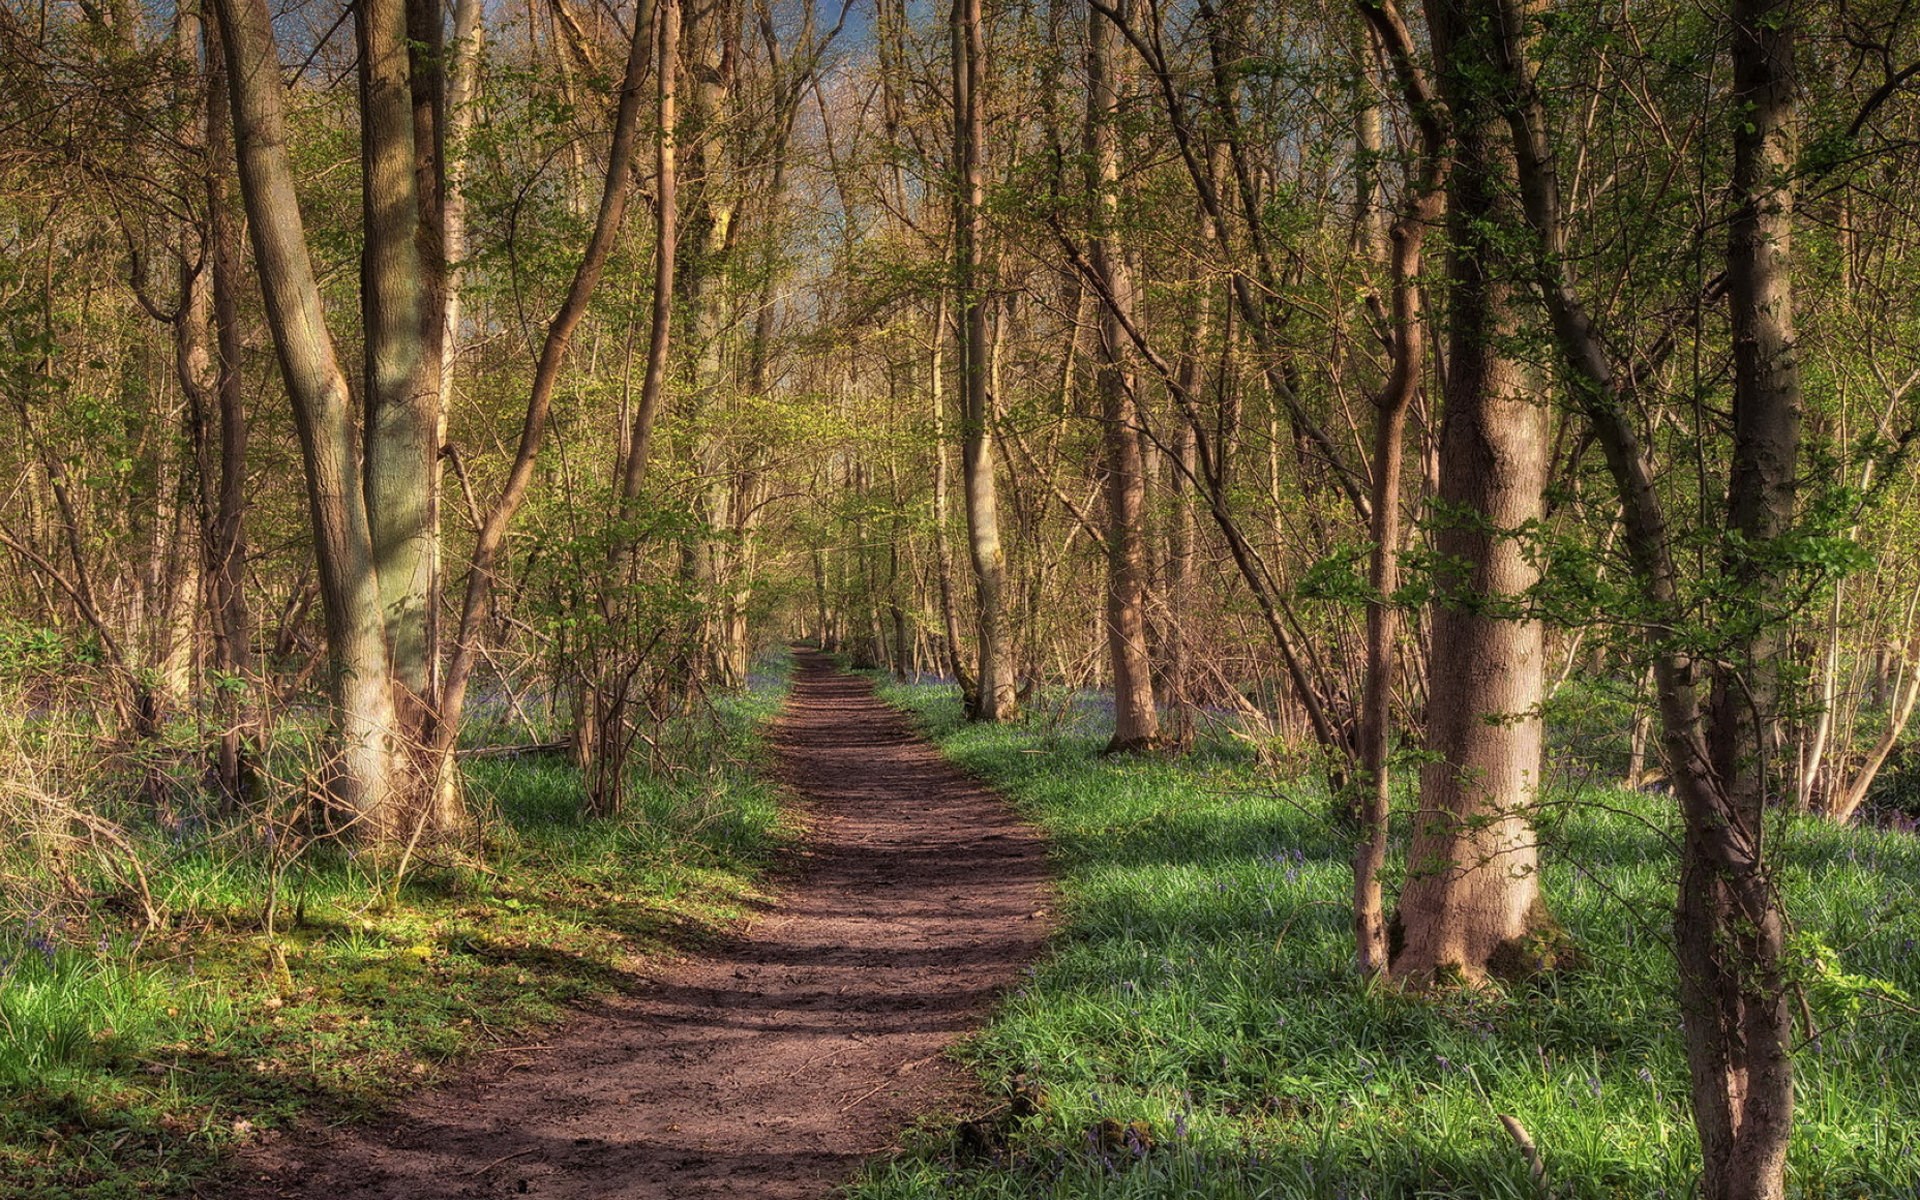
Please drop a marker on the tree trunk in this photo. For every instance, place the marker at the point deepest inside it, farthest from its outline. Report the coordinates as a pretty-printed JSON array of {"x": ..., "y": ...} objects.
[
  {"x": 1136, "y": 720},
  {"x": 995, "y": 699},
  {"x": 1729, "y": 927},
  {"x": 1472, "y": 892},
  {"x": 223, "y": 476},
  {"x": 1405, "y": 245},
  {"x": 708, "y": 233},
  {"x": 666, "y": 243},
  {"x": 602, "y": 755},
  {"x": 363, "y": 775},
  {"x": 455, "y": 124},
  {"x": 955, "y": 656},
  {"x": 1182, "y": 537},
  {"x": 401, "y": 395}
]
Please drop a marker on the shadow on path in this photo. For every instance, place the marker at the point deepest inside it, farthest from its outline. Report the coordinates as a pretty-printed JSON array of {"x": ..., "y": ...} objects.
[{"x": 772, "y": 1066}]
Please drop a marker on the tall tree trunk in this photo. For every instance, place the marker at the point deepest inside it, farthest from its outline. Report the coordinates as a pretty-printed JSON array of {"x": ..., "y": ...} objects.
[
  {"x": 601, "y": 735},
  {"x": 1182, "y": 538},
  {"x": 1472, "y": 888},
  {"x": 897, "y": 581},
  {"x": 455, "y": 124},
  {"x": 709, "y": 231},
  {"x": 995, "y": 699},
  {"x": 1404, "y": 244},
  {"x": 1214, "y": 449},
  {"x": 666, "y": 243},
  {"x": 1136, "y": 723},
  {"x": 1729, "y": 928},
  {"x": 955, "y": 657},
  {"x": 223, "y": 460},
  {"x": 402, "y": 386},
  {"x": 364, "y": 777}
]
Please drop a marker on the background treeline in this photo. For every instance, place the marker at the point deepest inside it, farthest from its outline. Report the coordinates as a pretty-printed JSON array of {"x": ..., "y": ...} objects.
[{"x": 1480, "y": 393}]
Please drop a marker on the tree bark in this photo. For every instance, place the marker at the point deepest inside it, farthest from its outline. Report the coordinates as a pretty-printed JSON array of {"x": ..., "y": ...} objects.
[
  {"x": 1182, "y": 540},
  {"x": 455, "y": 123},
  {"x": 995, "y": 693},
  {"x": 1729, "y": 928},
  {"x": 1213, "y": 448},
  {"x": 1406, "y": 240},
  {"x": 401, "y": 392},
  {"x": 363, "y": 774},
  {"x": 666, "y": 242},
  {"x": 1472, "y": 891},
  {"x": 223, "y": 459},
  {"x": 955, "y": 649},
  {"x": 601, "y": 736},
  {"x": 1136, "y": 724}
]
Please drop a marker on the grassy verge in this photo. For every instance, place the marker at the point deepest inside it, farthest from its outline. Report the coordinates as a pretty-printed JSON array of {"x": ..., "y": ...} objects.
[
  {"x": 130, "y": 1064},
  {"x": 1201, "y": 987}
]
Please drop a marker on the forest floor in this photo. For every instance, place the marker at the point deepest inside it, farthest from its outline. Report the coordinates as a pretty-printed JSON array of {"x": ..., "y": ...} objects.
[
  {"x": 1197, "y": 1031},
  {"x": 772, "y": 1064},
  {"x": 288, "y": 979}
]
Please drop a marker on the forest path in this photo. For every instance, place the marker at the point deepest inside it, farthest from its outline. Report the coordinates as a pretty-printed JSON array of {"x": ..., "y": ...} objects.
[{"x": 771, "y": 1066}]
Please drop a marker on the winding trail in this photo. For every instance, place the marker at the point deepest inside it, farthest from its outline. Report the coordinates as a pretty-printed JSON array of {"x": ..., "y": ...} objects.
[{"x": 769, "y": 1067}]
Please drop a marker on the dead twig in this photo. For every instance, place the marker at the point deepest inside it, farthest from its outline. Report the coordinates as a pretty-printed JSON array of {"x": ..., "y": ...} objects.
[
  {"x": 1518, "y": 1132},
  {"x": 504, "y": 1158}
]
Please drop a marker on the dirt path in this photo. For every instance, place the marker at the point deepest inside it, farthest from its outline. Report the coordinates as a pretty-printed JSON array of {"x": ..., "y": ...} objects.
[{"x": 770, "y": 1068}]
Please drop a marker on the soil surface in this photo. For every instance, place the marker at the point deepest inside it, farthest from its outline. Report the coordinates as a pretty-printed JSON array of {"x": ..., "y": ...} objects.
[{"x": 771, "y": 1066}]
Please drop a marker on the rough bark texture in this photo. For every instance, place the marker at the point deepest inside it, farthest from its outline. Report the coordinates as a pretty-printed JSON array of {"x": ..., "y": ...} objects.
[
  {"x": 666, "y": 244},
  {"x": 955, "y": 657},
  {"x": 1729, "y": 929},
  {"x": 454, "y": 124},
  {"x": 1214, "y": 441},
  {"x": 706, "y": 298},
  {"x": 1182, "y": 537},
  {"x": 223, "y": 471},
  {"x": 363, "y": 778},
  {"x": 1405, "y": 243},
  {"x": 402, "y": 375},
  {"x": 1728, "y": 923},
  {"x": 995, "y": 694},
  {"x": 1136, "y": 721},
  {"x": 601, "y": 733},
  {"x": 1471, "y": 887}
]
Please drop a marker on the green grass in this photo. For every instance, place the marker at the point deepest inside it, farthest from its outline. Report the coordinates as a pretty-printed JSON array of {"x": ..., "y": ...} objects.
[
  {"x": 131, "y": 1064},
  {"x": 1202, "y": 985}
]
